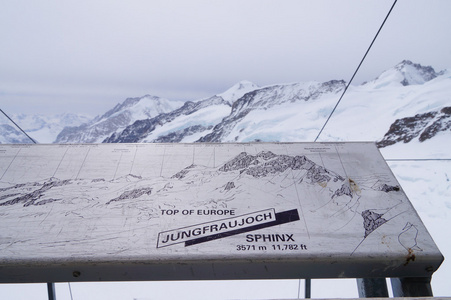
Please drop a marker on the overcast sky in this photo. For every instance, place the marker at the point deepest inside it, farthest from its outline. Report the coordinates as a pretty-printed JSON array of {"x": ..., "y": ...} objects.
[{"x": 86, "y": 56}]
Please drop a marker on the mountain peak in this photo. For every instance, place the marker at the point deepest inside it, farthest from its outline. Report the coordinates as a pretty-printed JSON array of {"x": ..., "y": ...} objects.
[
  {"x": 245, "y": 83},
  {"x": 238, "y": 90},
  {"x": 117, "y": 119},
  {"x": 145, "y": 106},
  {"x": 415, "y": 73},
  {"x": 405, "y": 73}
]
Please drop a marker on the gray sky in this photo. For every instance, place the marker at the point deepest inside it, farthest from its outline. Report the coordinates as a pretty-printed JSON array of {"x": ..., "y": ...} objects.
[{"x": 86, "y": 56}]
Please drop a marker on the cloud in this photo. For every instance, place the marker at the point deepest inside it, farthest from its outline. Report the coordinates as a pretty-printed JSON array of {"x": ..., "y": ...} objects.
[{"x": 111, "y": 49}]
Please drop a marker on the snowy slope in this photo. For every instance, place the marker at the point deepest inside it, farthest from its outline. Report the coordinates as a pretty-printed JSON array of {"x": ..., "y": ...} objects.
[
  {"x": 383, "y": 104},
  {"x": 367, "y": 114},
  {"x": 237, "y": 91},
  {"x": 190, "y": 127},
  {"x": 186, "y": 123},
  {"x": 276, "y": 114},
  {"x": 116, "y": 119},
  {"x": 272, "y": 113},
  {"x": 405, "y": 73},
  {"x": 10, "y": 135},
  {"x": 42, "y": 128},
  {"x": 427, "y": 185}
]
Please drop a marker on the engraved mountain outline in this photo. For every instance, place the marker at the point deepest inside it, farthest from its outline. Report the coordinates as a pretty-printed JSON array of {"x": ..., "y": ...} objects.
[{"x": 205, "y": 187}]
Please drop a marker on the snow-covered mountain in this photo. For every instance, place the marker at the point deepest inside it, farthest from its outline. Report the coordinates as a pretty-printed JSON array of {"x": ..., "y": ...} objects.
[
  {"x": 405, "y": 73},
  {"x": 10, "y": 135},
  {"x": 373, "y": 111},
  {"x": 296, "y": 112},
  {"x": 257, "y": 115},
  {"x": 406, "y": 103},
  {"x": 237, "y": 91},
  {"x": 185, "y": 124},
  {"x": 42, "y": 128},
  {"x": 116, "y": 119},
  {"x": 190, "y": 119},
  {"x": 213, "y": 120}
]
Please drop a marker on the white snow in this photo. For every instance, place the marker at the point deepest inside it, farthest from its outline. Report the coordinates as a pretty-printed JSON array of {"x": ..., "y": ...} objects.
[
  {"x": 427, "y": 185},
  {"x": 237, "y": 91},
  {"x": 290, "y": 122},
  {"x": 208, "y": 116},
  {"x": 117, "y": 119},
  {"x": 44, "y": 128},
  {"x": 147, "y": 107},
  {"x": 365, "y": 114},
  {"x": 436, "y": 148},
  {"x": 405, "y": 72},
  {"x": 10, "y": 134}
]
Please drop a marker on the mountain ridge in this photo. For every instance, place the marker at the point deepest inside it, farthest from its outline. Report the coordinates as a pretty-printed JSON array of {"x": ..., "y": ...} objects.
[
  {"x": 140, "y": 129},
  {"x": 275, "y": 113},
  {"x": 405, "y": 73},
  {"x": 116, "y": 119},
  {"x": 267, "y": 97}
]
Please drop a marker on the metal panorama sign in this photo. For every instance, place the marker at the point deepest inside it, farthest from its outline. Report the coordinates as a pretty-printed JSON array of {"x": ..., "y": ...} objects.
[{"x": 205, "y": 211}]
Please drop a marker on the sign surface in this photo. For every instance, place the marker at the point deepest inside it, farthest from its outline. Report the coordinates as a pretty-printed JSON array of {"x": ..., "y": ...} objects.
[{"x": 205, "y": 211}]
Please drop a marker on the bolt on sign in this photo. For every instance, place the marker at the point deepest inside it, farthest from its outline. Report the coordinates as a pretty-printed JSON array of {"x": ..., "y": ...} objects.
[{"x": 206, "y": 211}]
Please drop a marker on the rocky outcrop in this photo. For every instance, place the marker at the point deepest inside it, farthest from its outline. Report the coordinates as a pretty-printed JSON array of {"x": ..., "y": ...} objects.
[{"x": 422, "y": 126}]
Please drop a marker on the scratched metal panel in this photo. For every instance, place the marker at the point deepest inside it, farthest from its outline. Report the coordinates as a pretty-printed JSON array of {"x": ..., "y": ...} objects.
[{"x": 205, "y": 211}]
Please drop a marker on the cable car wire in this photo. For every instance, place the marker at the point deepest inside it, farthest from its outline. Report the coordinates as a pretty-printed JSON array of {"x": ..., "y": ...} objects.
[
  {"x": 18, "y": 126},
  {"x": 358, "y": 67}
]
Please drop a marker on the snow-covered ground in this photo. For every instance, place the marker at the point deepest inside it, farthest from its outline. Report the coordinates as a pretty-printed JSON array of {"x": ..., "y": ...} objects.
[{"x": 427, "y": 185}]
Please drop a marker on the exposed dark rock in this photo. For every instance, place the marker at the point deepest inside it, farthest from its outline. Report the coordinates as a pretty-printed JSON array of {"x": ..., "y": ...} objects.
[
  {"x": 426, "y": 73},
  {"x": 442, "y": 123},
  {"x": 424, "y": 126},
  {"x": 177, "y": 136}
]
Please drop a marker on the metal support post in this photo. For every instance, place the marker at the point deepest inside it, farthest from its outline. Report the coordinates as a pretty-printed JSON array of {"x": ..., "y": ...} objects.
[
  {"x": 411, "y": 287},
  {"x": 308, "y": 288},
  {"x": 51, "y": 290},
  {"x": 372, "y": 287}
]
